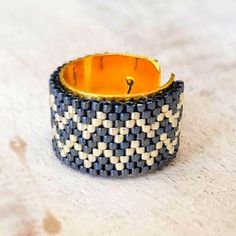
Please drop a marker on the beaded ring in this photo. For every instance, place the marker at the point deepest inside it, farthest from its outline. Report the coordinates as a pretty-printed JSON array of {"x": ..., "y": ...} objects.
[{"x": 128, "y": 131}]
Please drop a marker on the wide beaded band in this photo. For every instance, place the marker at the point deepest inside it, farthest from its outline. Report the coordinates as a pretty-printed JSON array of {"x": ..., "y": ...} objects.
[{"x": 115, "y": 138}]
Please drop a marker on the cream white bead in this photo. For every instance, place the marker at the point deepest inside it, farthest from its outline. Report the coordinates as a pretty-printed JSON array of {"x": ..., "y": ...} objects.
[
  {"x": 75, "y": 118},
  {"x": 83, "y": 155},
  {"x": 154, "y": 153},
  {"x": 91, "y": 158},
  {"x": 114, "y": 160},
  {"x": 113, "y": 131},
  {"x": 96, "y": 122},
  {"x": 119, "y": 166},
  {"x": 107, "y": 153},
  {"x": 107, "y": 123},
  {"x": 97, "y": 152},
  {"x": 167, "y": 141},
  {"x": 134, "y": 144},
  {"x": 64, "y": 120},
  {"x": 159, "y": 145},
  {"x": 86, "y": 134},
  {"x": 71, "y": 110},
  {"x": 150, "y": 161},
  {"x": 130, "y": 123},
  {"x": 91, "y": 128},
  {"x": 168, "y": 114},
  {"x": 124, "y": 130},
  {"x": 135, "y": 115},
  {"x": 129, "y": 151},
  {"x": 176, "y": 115},
  {"x": 146, "y": 128},
  {"x": 67, "y": 115},
  {"x": 145, "y": 156},
  {"x": 87, "y": 163},
  {"x": 163, "y": 136},
  {"x": 59, "y": 144},
  {"x": 124, "y": 159},
  {"x": 160, "y": 117},
  {"x": 62, "y": 152},
  {"x": 101, "y": 115},
  {"x": 119, "y": 138},
  {"x": 61, "y": 126},
  {"x": 73, "y": 138},
  {"x": 175, "y": 141},
  {"x": 102, "y": 145},
  {"x": 57, "y": 117},
  {"x": 77, "y": 147},
  {"x": 155, "y": 125},
  {"x": 151, "y": 134},
  {"x": 165, "y": 108},
  {"x": 81, "y": 126},
  {"x": 140, "y": 150},
  {"x": 140, "y": 122}
]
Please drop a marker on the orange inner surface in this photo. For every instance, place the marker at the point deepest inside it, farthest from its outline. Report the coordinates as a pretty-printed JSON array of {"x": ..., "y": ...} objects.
[{"x": 108, "y": 75}]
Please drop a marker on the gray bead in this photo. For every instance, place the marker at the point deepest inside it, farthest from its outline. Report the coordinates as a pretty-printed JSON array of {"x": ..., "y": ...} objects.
[
  {"x": 75, "y": 103},
  {"x": 129, "y": 137},
  {"x": 101, "y": 131},
  {"x": 146, "y": 114},
  {"x": 85, "y": 120},
  {"x": 158, "y": 158},
  {"x": 135, "y": 130},
  {"x": 69, "y": 157},
  {"x": 66, "y": 161},
  {"x": 145, "y": 142},
  {"x": 150, "y": 148},
  {"x": 81, "y": 141},
  {"x": 74, "y": 152},
  {"x": 129, "y": 107},
  {"x": 125, "y": 145},
  {"x": 160, "y": 102},
  {"x": 141, "y": 136},
  {"x": 119, "y": 152},
  {"x": 162, "y": 150},
  {"x": 164, "y": 123},
  {"x": 153, "y": 167},
  {"x": 67, "y": 100},
  {"x": 80, "y": 112},
  {"x": 107, "y": 138},
  {"x": 159, "y": 131},
  {"x": 141, "y": 107},
  {"x": 112, "y": 146},
  {"x": 102, "y": 160},
  {"x": 135, "y": 157},
  {"x": 125, "y": 116},
  {"x": 72, "y": 124},
  {"x": 74, "y": 166},
  {"x": 77, "y": 132},
  {"x": 107, "y": 107},
  {"x": 112, "y": 116}
]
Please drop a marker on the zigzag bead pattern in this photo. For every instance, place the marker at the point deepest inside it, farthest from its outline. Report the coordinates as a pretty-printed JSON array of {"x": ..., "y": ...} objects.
[{"x": 111, "y": 138}]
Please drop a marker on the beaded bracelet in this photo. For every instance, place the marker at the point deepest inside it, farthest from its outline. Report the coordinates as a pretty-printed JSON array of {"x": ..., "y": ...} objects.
[{"x": 111, "y": 117}]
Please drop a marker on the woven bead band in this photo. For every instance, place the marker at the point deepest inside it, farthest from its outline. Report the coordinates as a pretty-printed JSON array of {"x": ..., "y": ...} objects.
[{"x": 115, "y": 138}]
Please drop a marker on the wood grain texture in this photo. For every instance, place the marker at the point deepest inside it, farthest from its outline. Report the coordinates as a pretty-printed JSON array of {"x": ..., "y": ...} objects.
[{"x": 194, "y": 195}]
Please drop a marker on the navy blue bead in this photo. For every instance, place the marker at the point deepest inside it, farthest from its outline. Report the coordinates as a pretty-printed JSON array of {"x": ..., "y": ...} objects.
[
  {"x": 96, "y": 137},
  {"x": 85, "y": 120},
  {"x": 74, "y": 166},
  {"x": 77, "y": 132},
  {"x": 145, "y": 142},
  {"x": 145, "y": 170},
  {"x": 74, "y": 152},
  {"x": 66, "y": 161},
  {"x": 119, "y": 123},
  {"x": 107, "y": 138},
  {"x": 83, "y": 169},
  {"x": 129, "y": 107},
  {"x": 119, "y": 108},
  {"x": 90, "y": 114},
  {"x": 150, "y": 148},
  {"x": 103, "y": 173},
  {"x": 162, "y": 150},
  {"x": 159, "y": 131},
  {"x": 146, "y": 114},
  {"x": 135, "y": 130},
  {"x": 151, "y": 120},
  {"x": 136, "y": 157},
  {"x": 67, "y": 100},
  {"x": 97, "y": 166},
  {"x": 85, "y": 104},
  {"x": 92, "y": 144},
  {"x": 72, "y": 124},
  {"x": 113, "y": 146},
  {"x": 78, "y": 161},
  {"x": 114, "y": 173},
  {"x": 87, "y": 149},
  {"x": 160, "y": 102},
  {"x": 140, "y": 163},
  {"x": 81, "y": 141},
  {"x": 102, "y": 160},
  {"x": 69, "y": 157},
  {"x": 107, "y": 107},
  {"x": 125, "y": 116},
  {"x": 141, "y": 107},
  {"x": 151, "y": 105},
  {"x": 125, "y": 145},
  {"x": 153, "y": 167},
  {"x": 130, "y": 165},
  {"x": 93, "y": 172},
  {"x": 135, "y": 171},
  {"x": 125, "y": 172},
  {"x": 112, "y": 116},
  {"x": 129, "y": 137},
  {"x": 156, "y": 111},
  {"x": 75, "y": 103},
  {"x": 80, "y": 112},
  {"x": 141, "y": 136},
  {"x": 101, "y": 131},
  {"x": 119, "y": 152},
  {"x": 96, "y": 106},
  {"x": 109, "y": 167}
]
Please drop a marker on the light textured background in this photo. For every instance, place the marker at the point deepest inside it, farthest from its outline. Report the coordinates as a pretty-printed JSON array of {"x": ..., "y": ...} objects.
[{"x": 195, "y": 194}]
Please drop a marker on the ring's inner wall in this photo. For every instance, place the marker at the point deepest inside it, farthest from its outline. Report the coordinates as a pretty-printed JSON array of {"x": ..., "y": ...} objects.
[{"x": 108, "y": 75}]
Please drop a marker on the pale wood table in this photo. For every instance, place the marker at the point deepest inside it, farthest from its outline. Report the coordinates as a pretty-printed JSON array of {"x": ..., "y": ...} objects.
[{"x": 194, "y": 195}]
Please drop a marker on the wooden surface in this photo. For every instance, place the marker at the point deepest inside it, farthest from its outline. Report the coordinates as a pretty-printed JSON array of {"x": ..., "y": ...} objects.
[{"x": 194, "y": 195}]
